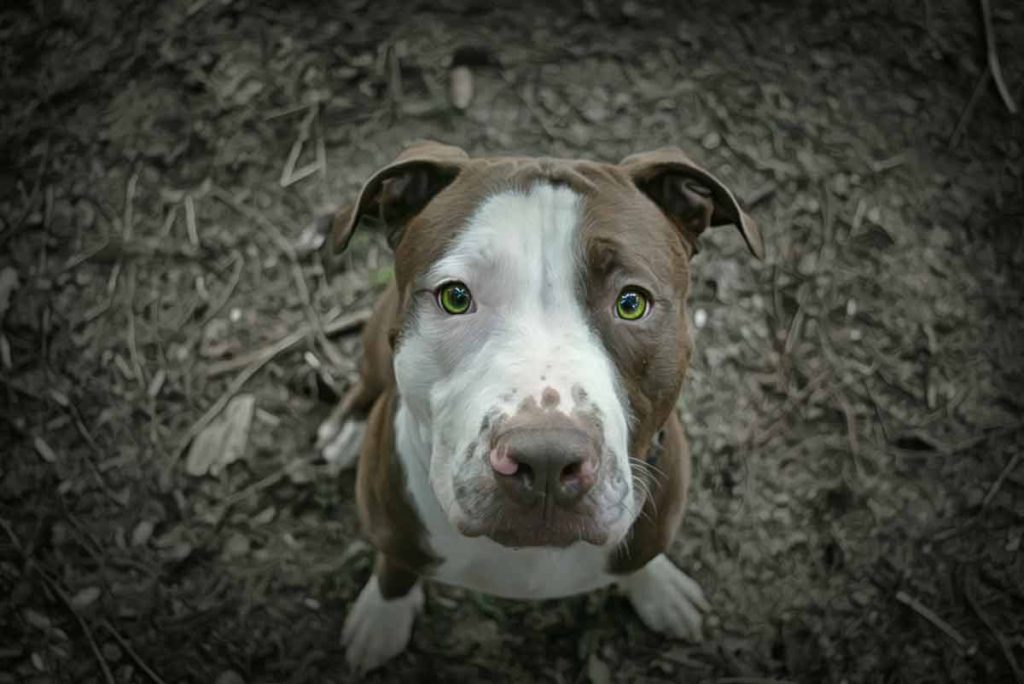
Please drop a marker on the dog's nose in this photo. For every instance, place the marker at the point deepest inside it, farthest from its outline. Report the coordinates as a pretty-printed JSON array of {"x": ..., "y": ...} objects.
[{"x": 534, "y": 463}]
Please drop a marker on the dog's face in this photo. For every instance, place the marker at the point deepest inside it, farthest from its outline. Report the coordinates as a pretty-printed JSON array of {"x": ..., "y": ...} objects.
[{"x": 544, "y": 332}]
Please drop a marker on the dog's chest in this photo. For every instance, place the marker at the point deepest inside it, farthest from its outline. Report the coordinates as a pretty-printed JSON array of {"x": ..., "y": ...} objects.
[
  {"x": 480, "y": 564},
  {"x": 530, "y": 573}
]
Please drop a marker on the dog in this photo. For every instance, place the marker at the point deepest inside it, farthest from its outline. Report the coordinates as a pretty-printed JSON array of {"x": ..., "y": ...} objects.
[{"x": 514, "y": 421}]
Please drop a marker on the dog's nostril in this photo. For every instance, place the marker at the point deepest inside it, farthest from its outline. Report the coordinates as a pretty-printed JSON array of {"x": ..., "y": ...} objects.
[
  {"x": 503, "y": 462},
  {"x": 571, "y": 472}
]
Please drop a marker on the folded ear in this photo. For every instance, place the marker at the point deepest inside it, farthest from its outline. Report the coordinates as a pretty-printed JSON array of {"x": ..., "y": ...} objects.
[
  {"x": 396, "y": 193},
  {"x": 691, "y": 197}
]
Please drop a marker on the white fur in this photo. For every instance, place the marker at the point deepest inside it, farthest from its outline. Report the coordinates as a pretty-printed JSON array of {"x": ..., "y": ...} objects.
[
  {"x": 377, "y": 629},
  {"x": 519, "y": 257},
  {"x": 484, "y": 565},
  {"x": 666, "y": 599}
]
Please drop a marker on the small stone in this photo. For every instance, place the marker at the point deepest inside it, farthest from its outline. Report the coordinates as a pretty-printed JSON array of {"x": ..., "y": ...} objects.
[
  {"x": 700, "y": 318},
  {"x": 142, "y": 532},
  {"x": 461, "y": 87},
  {"x": 236, "y": 546},
  {"x": 85, "y": 597},
  {"x": 229, "y": 677},
  {"x": 37, "y": 620}
]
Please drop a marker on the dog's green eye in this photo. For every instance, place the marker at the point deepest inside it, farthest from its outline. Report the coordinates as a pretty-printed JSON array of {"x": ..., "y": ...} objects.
[
  {"x": 631, "y": 305},
  {"x": 454, "y": 298}
]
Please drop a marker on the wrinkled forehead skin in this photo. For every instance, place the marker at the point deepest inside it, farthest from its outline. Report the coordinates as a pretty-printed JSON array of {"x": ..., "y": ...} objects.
[{"x": 623, "y": 239}]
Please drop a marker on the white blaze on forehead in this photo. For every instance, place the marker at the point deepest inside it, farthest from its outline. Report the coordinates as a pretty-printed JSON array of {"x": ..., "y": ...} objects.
[
  {"x": 520, "y": 258},
  {"x": 523, "y": 247}
]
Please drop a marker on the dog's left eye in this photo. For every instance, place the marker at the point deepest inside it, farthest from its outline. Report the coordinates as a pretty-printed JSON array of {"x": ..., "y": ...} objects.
[
  {"x": 632, "y": 304},
  {"x": 454, "y": 298}
]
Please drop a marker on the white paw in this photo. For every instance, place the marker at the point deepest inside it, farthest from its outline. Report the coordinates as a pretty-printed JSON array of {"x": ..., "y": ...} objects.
[
  {"x": 377, "y": 629},
  {"x": 340, "y": 446},
  {"x": 666, "y": 599}
]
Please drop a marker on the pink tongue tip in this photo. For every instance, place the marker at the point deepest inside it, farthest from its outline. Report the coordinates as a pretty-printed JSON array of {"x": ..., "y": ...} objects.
[{"x": 503, "y": 463}]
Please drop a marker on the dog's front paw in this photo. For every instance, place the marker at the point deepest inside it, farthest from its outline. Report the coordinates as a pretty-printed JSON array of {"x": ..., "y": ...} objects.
[
  {"x": 378, "y": 629},
  {"x": 666, "y": 599}
]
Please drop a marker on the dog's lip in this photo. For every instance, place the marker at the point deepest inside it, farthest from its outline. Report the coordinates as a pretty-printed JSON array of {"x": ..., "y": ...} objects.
[{"x": 567, "y": 528}]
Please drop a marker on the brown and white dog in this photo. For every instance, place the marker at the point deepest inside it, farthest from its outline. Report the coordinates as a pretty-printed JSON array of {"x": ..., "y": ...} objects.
[{"x": 520, "y": 378}]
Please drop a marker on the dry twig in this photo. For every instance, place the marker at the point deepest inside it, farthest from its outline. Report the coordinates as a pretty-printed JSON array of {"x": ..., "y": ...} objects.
[
  {"x": 153, "y": 676},
  {"x": 993, "y": 58},
  {"x": 760, "y": 437},
  {"x": 1000, "y": 639},
  {"x": 65, "y": 599},
  {"x": 289, "y": 175},
  {"x": 949, "y": 630},
  {"x": 994, "y": 489},
  {"x": 229, "y": 289},
  {"x": 126, "y": 234},
  {"x": 968, "y": 110},
  {"x": 254, "y": 363},
  {"x": 288, "y": 251}
]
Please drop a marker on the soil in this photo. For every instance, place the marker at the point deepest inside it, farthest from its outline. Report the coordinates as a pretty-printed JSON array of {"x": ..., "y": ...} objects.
[{"x": 854, "y": 406}]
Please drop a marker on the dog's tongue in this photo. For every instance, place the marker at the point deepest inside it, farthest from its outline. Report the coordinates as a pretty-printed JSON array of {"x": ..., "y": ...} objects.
[{"x": 503, "y": 463}]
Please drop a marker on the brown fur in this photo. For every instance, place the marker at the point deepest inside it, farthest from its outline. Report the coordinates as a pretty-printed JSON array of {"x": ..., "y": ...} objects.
[{"x": 643, "y": 214}]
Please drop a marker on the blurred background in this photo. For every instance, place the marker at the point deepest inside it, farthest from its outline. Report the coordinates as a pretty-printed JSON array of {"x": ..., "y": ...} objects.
[{"x": 171, "y": 332}]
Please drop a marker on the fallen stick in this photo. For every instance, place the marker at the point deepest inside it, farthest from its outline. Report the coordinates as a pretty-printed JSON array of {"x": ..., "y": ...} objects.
[
  {"x": 759, "y": 437},
  {"x": 254, "y": 362},
  {"x": 1007, "y": 651},
  {"x": 968, "y": 110},
  {"x": 288, "y": 251},
  {"x": 946, "y": 628},
  {"x": 62, "y": 595},
  {"x": 339, "y": 325},
  {"x": 993, "y": 58},
  {"x": 229, "y": 289},
  {"x": 1005, "y": 473},
  {"x": 153, "y": 676}
]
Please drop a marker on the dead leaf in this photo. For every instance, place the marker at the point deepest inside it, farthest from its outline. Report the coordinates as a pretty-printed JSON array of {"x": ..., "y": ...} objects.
[
  {"x": 44, "y": 450},
  {"x": 85, "y": 598},
  {"x": 263, "y": 517},
  {"x": 223, "y": 441},
  {"x": 37, "y": 620},
  {"x": 142, "y": 532}
]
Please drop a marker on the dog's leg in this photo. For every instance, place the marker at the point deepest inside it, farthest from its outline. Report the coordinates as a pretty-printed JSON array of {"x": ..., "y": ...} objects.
[
  {"x": 666, "y": 599},
  {"x": 379, "y": 624},
  {"x": 340, "y": 436}
]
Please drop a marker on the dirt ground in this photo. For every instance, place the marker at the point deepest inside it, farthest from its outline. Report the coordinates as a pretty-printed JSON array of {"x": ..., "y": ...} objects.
[{"x": 855, "y": 404}]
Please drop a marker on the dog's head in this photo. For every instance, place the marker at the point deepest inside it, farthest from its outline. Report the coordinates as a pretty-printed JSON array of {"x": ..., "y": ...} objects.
[{"x": 543, "y": 337}]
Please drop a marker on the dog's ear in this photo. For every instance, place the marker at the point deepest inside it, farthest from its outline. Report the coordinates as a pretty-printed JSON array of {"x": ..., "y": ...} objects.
[
  {"x": 691, "y": 197},
  {"x": 396, "y": 193}
]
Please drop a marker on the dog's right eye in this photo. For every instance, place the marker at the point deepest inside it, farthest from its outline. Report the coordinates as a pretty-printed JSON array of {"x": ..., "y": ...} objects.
[
  {"x": 632, "y": 304},
  {"x": 454, "y": 298}
]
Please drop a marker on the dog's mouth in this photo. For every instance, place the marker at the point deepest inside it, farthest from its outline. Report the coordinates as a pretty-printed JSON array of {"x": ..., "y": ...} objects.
[
  {"x": 484, "y": 511},
  {"x": 530, "y": 528}
]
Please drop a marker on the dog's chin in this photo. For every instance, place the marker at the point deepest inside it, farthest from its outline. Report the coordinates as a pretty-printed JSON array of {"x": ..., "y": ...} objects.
[{"x": 561, "y": 530}]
